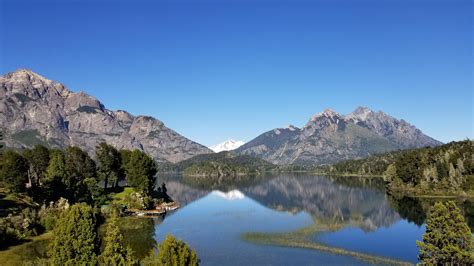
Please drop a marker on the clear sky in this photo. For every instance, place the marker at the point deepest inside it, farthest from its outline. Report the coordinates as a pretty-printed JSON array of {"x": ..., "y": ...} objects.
[{"x": 214, "y": 70}]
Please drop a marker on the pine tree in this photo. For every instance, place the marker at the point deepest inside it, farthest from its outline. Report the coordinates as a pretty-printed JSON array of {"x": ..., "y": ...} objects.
[
  {"x": 114, "y": 252},
  {"x": 173, "y": 252},
  {"x": 75, "y": 240},
  {"x": 448, "y": 239},
  {"x": 110, "y": 164},
  {"x": 141, "y": 170}
]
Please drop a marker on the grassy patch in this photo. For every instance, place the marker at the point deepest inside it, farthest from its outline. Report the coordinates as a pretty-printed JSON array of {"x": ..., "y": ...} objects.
[
  {"x": 12, "y": 202},
  {"x": 301, "y": 239},
  {"x": 36, "y": 247},
  {"x": 29, "y": 138},
  {"x": 124, "y": 194}
]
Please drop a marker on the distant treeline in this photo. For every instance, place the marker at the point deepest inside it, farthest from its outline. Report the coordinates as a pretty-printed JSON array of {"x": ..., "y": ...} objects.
[
  {"x": 219, "y": 164},
  {"x": 448, "y": 167}
]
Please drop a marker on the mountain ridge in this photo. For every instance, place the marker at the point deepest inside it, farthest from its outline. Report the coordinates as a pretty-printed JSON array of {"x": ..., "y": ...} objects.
[
  {"x": 37, "y": 110},
  {"x": 330, "y": 137}
]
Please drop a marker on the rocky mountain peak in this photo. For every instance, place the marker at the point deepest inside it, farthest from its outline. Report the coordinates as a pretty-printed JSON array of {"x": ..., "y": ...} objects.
[
  {"x": 36, "y": 110},
  {"x": 31, "y": 84},
  {"x": 361, "y": 113},
  {"x": 328, "y": 113},
  {"x": 329, "y": 137}
]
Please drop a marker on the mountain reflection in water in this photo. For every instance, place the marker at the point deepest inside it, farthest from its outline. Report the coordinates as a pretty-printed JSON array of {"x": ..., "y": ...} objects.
[{"x": 213, "y": 219}]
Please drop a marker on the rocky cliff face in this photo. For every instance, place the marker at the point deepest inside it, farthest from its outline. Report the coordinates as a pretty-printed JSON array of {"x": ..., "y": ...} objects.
[
  {"x": 35, "y": 110},
  {"x": 329, "y": 137}
]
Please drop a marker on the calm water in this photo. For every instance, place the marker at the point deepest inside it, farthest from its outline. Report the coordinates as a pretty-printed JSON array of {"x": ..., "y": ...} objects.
[{"x": 213, "y": 219}]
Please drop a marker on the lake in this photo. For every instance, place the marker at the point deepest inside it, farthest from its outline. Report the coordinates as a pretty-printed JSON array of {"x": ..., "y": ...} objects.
[{"x": 351, "y": 213}]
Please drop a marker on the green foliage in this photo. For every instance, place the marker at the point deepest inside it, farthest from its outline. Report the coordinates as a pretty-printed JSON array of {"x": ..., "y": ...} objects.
[
  {"x": 425, "y": 170},
  {"x": 29, "y": 138},
  {"x": 115, "y": 253},
  {"x": 49, "y": 215},
  {"x": 38, "y": 158},
  {"x": 217, "y": 169},
  {"x": 448, "y": 239},
  {"x": 14, "y": 171},
  {"x": 109, "y": 164},
  {"x": 81, "y": 183},
  {"x": 224, "y": 158},
  {"x": 14, "y": 228},
  {"x": 56, "y": 176},
  {"x": 172, "y": 252},
  {"x": 75, "y": 240},
  {"x": 140, "y": 172}
]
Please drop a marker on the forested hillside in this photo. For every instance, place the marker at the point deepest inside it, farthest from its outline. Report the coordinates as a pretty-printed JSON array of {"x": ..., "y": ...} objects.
[{"x": 447, "y": 168}]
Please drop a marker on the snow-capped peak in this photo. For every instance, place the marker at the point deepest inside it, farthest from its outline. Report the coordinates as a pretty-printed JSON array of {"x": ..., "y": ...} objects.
[{"x": 227, "y": 145}]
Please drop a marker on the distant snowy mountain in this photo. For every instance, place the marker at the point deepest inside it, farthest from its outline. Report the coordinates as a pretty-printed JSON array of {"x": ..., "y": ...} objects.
[{"x": 227, "y": 145}]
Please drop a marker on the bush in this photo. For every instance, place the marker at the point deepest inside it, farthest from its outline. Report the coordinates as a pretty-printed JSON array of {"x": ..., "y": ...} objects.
[{"x": 172, "y": 252}]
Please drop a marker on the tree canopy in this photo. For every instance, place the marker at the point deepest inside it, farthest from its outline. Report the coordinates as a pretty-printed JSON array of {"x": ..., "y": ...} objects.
[
  {"x": 140, "y": 172},
  {"x": 173, "y": 252},
  {"x": 75, "y": 240},
  {"x": 115, "y": 253},
  {"x": 448, "y": 239},
  {"x": 14, "y": 171}
]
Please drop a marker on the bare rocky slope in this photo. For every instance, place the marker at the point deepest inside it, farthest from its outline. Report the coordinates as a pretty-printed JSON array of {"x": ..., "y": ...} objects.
[
  {"x": 36, "y": 110},
  {"x": 329, "y": 137}
]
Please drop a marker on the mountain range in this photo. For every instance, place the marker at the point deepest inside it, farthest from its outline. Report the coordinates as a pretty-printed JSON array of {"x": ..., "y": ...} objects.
[
  {"x": 329, "y": 137},
  {"x": 36, "y": 110}
]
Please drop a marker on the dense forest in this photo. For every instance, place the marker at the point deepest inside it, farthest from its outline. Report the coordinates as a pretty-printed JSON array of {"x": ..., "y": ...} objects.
[
  {"x": 446, "y": 168},
  {"x": 45, "y": 191}
]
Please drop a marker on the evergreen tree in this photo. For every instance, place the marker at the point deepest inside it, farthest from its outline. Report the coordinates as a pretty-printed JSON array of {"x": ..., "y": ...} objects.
[
  {"x": 14, "y": 171},
  {"x": 114, "y": 252},
  {"x": 173, "y": 252},
  {"x": 38, "y": 158},
  {"x": 75, "y": 239},
  {"x": 81, "y": 175},
  {"x": 56, "y": 178},
  {"x": 448, "y": 239},
  {"x": 110, "y": 164},
  {"x": 141, "y": 170}
]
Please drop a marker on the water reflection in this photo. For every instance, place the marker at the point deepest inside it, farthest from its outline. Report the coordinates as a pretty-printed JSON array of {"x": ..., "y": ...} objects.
[{"x": 357, "y": 208}]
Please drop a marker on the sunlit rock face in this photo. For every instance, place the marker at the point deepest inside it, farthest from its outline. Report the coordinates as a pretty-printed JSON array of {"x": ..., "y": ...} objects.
[
  {"x": 329, "y": 137},
  {"x": 36, "y": 110}
]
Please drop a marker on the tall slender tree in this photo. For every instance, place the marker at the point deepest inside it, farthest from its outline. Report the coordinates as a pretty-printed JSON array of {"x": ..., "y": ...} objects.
[{"x": 109, "y": 164}]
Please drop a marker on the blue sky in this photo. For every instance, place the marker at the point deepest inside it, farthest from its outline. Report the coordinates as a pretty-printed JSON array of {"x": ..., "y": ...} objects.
[{"x": 214, "y": 70}]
